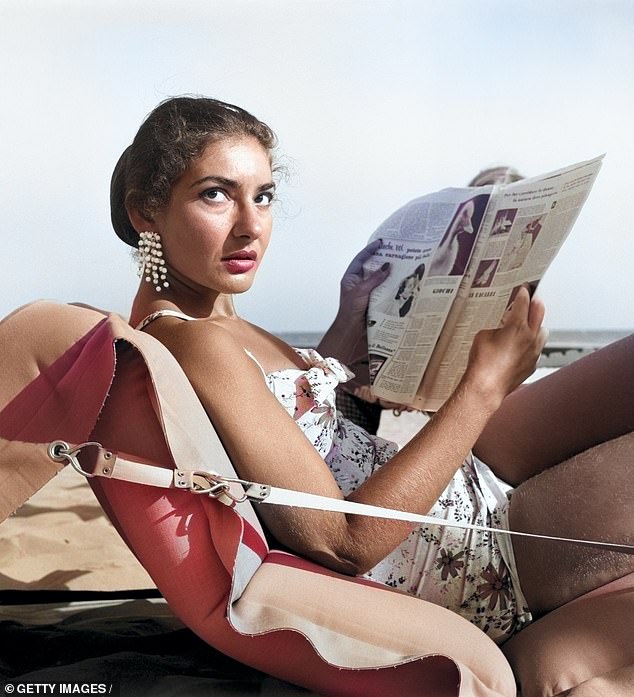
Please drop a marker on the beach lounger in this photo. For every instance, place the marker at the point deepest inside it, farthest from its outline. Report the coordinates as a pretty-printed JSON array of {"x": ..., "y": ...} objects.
[{"x": 71, "y": 374}]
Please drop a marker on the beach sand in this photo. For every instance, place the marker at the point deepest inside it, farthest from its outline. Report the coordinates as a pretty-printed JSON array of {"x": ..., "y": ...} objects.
[{"x": 61, "y": 540}]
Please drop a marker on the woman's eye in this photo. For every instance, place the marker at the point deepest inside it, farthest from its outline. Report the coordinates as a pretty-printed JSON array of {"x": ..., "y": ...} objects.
[
  {"x": 215, "y": 195},
  {"x": 265, "y": 198}
]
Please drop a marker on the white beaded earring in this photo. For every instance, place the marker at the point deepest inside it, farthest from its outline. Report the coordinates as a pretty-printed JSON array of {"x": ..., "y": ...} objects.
[{"x": 151, "y": 261}]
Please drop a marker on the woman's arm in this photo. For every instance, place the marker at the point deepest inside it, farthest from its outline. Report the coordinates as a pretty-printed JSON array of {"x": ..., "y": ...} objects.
[{"x": 266, "y": 445}]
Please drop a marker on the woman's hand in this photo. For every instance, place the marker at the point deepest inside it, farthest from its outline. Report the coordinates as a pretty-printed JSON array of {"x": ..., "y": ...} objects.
[
  {"x": 501, "y": 359},
  {"x": 355, "y": 289},
  {"x": 347, "y": 337}
]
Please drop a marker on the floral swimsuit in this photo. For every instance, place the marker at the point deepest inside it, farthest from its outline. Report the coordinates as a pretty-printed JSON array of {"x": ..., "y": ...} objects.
[{"x": 468, "y": 571}]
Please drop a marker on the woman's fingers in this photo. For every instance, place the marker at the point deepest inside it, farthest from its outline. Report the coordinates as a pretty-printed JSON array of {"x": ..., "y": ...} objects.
[
  {"x": 542, "y": 337},
  {"x": 517, "y": 311},
  {"x": 377, "y": 277},
  {"x": 528, "y": 313},
  {"x": 525, "y": 309},
  {"x": 536, "y": 312},
  {"x": 354, "y": 287},
  {"x": 356, "y": 265}
]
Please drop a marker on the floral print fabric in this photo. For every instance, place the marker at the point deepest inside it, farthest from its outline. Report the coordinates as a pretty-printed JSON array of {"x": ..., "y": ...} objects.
[{"x": 463, "y": 570}]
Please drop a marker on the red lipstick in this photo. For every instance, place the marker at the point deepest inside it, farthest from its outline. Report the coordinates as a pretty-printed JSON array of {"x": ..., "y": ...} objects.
[{"x": 240, "y": 262}]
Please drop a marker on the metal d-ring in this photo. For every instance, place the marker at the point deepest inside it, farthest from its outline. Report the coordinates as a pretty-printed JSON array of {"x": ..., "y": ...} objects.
[{"x": 60, "y": 451}]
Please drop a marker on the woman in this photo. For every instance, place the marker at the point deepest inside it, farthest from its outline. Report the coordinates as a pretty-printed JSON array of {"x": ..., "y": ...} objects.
[{"x": 194, "y": 193}]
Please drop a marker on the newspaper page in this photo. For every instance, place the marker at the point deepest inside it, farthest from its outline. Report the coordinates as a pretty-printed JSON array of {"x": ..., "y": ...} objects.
[
  {"x": 524, "y": 227},
  {"x": 428, "y": 243}
]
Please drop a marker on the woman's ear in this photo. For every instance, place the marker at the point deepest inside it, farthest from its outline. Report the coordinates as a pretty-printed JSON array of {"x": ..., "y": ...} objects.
[{"x": 140, "y": 220}]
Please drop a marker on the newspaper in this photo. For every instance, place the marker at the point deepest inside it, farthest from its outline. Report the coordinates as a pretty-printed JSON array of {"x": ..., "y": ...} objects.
[{"x": 457, "y": 259}]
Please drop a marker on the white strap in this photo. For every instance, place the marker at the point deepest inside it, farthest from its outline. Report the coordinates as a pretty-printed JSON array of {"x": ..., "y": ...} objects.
[
  {"x": 100, "y": 462},
  {"x": 106, "y": 464},
  {"x": 163, "y": 313},
  {"x": 287, "y": 497}
]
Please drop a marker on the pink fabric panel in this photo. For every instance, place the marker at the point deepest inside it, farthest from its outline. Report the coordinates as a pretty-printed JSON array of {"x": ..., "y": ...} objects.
[
  {"x": 252, "y": 539},
  {"x": 57, "y": 405}
]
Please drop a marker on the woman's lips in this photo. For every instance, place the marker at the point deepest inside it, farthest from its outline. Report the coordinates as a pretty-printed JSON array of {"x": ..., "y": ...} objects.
[
  {"x": 242, "y": 262},
  {"x": 239, "y": 265}
]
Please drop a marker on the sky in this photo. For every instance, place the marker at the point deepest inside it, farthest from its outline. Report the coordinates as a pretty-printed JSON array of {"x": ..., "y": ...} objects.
[{"x": 374, "y": 102}]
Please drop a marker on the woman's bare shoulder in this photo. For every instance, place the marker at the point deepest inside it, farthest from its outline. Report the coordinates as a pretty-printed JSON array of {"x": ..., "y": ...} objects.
[{"x": 200, "y": 345}]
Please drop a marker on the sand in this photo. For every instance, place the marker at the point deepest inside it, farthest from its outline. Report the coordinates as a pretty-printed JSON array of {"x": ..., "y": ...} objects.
[{"x": 61, "y": 539}]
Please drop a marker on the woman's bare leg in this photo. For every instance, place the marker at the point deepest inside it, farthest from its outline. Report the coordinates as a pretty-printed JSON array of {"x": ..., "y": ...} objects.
[
  {"x": 591, "y": 496},
  {"x": 546, "y": 422}
]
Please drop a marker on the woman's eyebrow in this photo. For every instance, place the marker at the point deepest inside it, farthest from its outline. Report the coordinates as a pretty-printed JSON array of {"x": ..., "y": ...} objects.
[{"x": 229, "y": 183}]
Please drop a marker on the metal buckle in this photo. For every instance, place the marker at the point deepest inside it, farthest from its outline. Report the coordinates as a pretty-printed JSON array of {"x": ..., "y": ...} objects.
[
  {"x": 216, "y": 486},
  {"x": 60, "y": 451}
]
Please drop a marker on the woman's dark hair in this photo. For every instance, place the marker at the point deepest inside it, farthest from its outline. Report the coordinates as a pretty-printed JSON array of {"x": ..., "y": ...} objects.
[{"x": 168, "y": 141}]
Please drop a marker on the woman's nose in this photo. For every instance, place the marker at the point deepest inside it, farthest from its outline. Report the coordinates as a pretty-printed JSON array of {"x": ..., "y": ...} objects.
[{"x": 248, "y": 222}]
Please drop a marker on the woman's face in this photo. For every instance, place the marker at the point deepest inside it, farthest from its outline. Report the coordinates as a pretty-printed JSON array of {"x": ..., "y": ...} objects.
[{"x": 217, "y": 225}]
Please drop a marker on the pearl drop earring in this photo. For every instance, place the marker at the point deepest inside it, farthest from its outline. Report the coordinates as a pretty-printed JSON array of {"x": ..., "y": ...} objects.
[{"x": 151, "y": 261}]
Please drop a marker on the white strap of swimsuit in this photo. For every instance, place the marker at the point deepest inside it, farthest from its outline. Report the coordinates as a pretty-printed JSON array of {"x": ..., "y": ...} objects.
[
  {"x": 104, "y": 463},
  {"x": 163, "y": 313}
]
